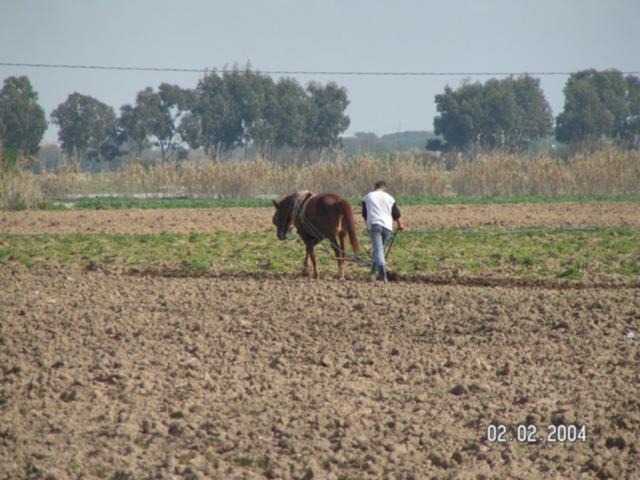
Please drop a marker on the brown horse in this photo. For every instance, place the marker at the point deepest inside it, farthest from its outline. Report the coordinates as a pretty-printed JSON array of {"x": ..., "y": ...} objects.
[{"x": 317, "y": 217}]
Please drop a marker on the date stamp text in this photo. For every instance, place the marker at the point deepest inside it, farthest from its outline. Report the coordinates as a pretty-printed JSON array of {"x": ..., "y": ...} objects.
[{"x": 531, "y": 433}]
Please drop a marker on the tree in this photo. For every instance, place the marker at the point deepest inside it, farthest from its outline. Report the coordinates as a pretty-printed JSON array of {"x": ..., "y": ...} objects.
[
  {"x": 586, "y": 116},
  {"x": 506, "y": 113},
  {"x": 291, "y": 113},
  {"x": 132, "y": 131},
  {"x": 230, "y": 111},
  {"x": 158, "y": 115},
  {"x": 260, "y": 113},
  {"x": 534, "y": 119},
  {"x": 460, "y": 114},
  {"x": 326, "y": 118},
  {"x": 244, "y": 108},
  {"x": 499, "y": 113},
  {"x": 86, "y": 126},
  {"x": 219, "y": 127},
  {"x": 599, "y": 104},
  {"x": 631, "y": 126},
  {"x": 22, "y": 119},
  {"x": 190, "y": 130}
]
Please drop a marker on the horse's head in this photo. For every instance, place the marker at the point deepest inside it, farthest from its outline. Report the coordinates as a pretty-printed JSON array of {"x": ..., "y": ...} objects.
[{"x": 283, "y": 218}]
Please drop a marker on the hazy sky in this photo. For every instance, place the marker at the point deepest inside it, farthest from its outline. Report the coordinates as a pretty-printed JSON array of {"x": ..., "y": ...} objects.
[{"x": 400, "y": 35}]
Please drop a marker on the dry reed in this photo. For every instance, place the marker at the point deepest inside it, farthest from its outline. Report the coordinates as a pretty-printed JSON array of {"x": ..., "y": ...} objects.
[
  {"x": 249, "y": 179},
  {"x": 611, "y": 171},
  {"x": 606, "y": 172}
]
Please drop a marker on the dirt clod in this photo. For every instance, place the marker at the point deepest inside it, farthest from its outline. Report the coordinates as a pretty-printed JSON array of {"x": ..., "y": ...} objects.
[
  {"x": 458, "y": 390},
  {"x": 176, "y": 429}
]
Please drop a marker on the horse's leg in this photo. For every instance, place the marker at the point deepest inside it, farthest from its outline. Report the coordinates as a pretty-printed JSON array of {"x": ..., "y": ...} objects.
[
  {"x": 309, "y": 248},
  {"x": 312, "y": 255},
  {"x": 338, "y": 253},
  {"x": 341, "y": 260},
  {"x": 305, "y": 265}
]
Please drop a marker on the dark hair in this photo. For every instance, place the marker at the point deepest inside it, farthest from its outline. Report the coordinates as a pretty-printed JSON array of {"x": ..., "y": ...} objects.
[{"x": 380, "y": 184}]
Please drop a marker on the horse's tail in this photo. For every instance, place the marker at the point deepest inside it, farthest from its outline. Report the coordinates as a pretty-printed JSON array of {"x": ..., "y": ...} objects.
[{"x": 350, "y": 224}]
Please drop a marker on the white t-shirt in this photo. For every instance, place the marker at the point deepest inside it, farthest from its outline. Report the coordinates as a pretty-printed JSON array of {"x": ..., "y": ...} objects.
[{"x": 379, "y": 205}]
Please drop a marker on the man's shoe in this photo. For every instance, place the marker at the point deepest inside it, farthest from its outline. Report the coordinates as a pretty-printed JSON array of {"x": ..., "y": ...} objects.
[
  {"x": 382, "y": 274},
  {"x": 372, "y": 273}
]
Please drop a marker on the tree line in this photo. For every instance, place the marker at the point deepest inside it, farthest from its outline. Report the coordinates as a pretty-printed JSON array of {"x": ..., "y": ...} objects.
[
  {"x": 242, "y": 108},
  {"x": 509, "y": 114},
  {"x": 223, "y": 112}
]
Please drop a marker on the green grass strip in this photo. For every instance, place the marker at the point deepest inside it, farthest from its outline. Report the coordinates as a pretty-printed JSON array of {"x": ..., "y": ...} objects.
[
  {"x": 154, "y": 203},
  {"x": 421, "y": 200},
  {"x": 542, "y": 253}
]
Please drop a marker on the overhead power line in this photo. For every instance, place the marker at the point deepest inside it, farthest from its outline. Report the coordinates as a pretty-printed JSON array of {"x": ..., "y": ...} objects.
[{"x": 291, "y": 72}]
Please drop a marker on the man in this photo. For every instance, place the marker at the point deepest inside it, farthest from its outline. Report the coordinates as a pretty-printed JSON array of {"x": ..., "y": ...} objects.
[{"x": 379, "y": 210}]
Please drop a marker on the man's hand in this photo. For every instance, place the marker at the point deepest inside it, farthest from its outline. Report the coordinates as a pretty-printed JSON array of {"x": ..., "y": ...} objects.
[{"x": 400, "y": 225}]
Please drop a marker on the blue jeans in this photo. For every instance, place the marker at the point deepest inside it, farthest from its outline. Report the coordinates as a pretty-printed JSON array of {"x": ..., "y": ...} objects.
[{"x": 379, "y": 236}]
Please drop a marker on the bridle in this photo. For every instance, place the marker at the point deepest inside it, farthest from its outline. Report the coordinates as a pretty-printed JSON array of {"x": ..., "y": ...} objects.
[
  {"x": 295, "y": 210},
  {"x": 285, "y": 221}
]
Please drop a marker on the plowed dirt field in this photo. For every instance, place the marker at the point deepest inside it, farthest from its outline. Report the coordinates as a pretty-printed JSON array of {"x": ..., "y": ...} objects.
[
  {"x": 185, "y": 220},
  {"x": 112, "y": 375}
]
